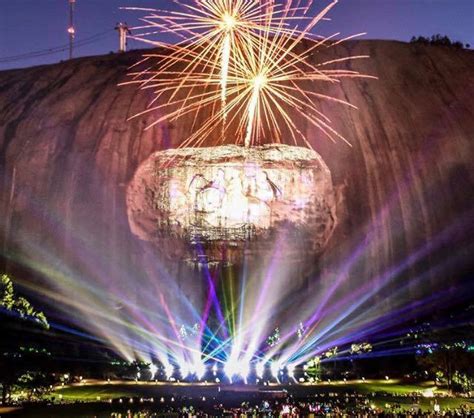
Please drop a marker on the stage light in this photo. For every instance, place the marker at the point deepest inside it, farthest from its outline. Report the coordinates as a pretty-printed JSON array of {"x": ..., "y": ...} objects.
[
  {"x": 290, "y": 368},
  {"x": 245, "y": 371},
  {"x": 153, "y": 370},
  {"x": 200, "y": 370},
  {"x": 231, "y": 368},
  {"x": 428, "y": 393},
  {"x": 275, "y": 369},
  {"x": 169, "y": 370},
  {"x": 184, "y": 369},
  {"x": 260, "y": 369}
]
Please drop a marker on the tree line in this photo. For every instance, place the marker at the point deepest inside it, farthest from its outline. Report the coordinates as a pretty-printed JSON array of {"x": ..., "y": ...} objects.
[{"x": 439, "y": 40}]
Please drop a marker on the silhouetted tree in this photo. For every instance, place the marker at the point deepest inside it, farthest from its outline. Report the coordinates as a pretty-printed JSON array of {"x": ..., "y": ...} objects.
[
  {"x": 439, "y": 40},
  {"x": 17, "y": 305},
  {"x": 448, "y": 354},
  {"x": 452, "y": 364},
  {"x": 26, "y": 369},
  {"x": 20, "y": 367}
]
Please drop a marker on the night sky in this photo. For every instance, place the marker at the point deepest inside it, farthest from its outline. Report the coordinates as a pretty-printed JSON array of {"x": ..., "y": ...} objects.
[{"x": 35, "y": 25}]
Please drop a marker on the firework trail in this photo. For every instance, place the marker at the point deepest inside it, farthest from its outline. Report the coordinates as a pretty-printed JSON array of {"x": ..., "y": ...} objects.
[{"x": 240, "y": 62}]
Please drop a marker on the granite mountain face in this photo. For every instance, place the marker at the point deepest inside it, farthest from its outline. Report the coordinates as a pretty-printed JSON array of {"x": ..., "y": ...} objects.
[{"x": 403, "y": 190}]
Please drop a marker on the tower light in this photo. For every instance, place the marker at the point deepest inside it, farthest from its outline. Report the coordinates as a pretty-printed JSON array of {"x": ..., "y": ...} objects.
[{"x": 71, "y": 29}]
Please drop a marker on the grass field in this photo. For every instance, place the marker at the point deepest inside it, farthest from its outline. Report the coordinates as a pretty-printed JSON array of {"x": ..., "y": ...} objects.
[{"x": 380, "y": 393}]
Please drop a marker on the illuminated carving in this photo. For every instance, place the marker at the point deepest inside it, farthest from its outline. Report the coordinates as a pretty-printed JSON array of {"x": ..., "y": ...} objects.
[{"x": 230, "y": 195}]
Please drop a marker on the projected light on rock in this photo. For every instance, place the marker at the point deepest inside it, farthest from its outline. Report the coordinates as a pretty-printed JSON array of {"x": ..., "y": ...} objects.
[
  {"x": 266, "y": 206},
  {"x": 223, "y": 197}
]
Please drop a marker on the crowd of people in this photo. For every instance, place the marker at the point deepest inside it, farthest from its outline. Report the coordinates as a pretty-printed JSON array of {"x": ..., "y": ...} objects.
[
  {"x": 289, "y": 407},
  {"x": 269, "y": 403}
]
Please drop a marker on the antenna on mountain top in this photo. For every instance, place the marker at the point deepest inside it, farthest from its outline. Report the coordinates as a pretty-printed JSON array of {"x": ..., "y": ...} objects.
[
  {"x": 71, "y": 29},
  {"x": 123, "y": 31}
]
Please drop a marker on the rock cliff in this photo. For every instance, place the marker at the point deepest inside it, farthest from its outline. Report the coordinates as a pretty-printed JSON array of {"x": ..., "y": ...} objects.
[{"x": 404, "y": 188}]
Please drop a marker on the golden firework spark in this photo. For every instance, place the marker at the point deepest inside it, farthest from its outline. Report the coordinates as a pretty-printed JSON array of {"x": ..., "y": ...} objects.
[
  {"x": 272, "y": 80},
  {"x": 211, "y": 30},
  {"x": 247, "y": 56}
]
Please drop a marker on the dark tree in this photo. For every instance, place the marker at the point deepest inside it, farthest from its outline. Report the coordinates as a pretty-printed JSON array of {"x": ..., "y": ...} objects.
[
  {"x": 13, "y": 304},
  {"x": 438, "y": 40},
  {"x": 21, "y": 367},
  {"x": 448, "y": 354}
]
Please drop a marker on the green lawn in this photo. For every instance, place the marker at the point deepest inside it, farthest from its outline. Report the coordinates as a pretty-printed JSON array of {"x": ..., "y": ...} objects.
[
  {"x": 395, "y": 387},
  {"x": 90, "y": 393},
  {"x": 386, "y": 392}
]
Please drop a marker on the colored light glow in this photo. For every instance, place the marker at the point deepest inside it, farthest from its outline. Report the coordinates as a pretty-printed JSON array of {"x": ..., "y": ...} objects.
[
  {"x": 275, "y": 368},
  {"x": 197, "y": 198},
  {"x": 184, "y": 369},
  {"x": 169, "y": 370},
  {"x": 200, "y": 369},
  {"x": 291, "y": 370},
  {"x": 153, "y": 370},
  {"x": 231, "y": 369},
  {"x": 337, "y": 324},
  {"x": 244, "y": 371}
]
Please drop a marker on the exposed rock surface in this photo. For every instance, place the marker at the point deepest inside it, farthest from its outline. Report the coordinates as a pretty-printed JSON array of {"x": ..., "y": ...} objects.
[{"x": 67, "y": 154}]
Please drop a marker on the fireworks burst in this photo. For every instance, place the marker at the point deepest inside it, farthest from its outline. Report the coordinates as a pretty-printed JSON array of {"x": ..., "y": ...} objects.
[
  {"x": 241, "y": 64},
  {"x": 272, "y": 79},
  {"x": 212, "y": 34}
]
